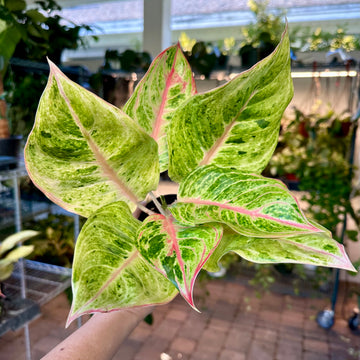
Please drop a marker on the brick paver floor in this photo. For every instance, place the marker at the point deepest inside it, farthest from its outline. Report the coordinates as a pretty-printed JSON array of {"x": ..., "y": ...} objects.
[{"x": 234, "y": 324}]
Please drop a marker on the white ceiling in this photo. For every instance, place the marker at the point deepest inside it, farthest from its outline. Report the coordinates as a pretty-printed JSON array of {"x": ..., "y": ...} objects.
[
  {"x": 120, "y": 34},
  {"x": 72, "y": 3}
]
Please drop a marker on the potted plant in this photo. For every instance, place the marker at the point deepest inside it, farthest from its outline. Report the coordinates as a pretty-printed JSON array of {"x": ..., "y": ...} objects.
[
  {"x": 202, "y": 58},
  {"x": 128, "y": 66},
  {"x": 261, "y": 36},
  {"x": 129, "y": 60},
  {"x": 101, "y": 162}
]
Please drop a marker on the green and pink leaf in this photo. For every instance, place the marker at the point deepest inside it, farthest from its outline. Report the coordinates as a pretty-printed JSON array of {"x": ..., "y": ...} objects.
[
  {"x": 314, "y": 249},
  {"x": 251, "y": 205},
  {"x": 95, "y": 160},
  {"x": 176, "y": 251},
  {"x": 108, "y": 271},
  {"x": 235, "y": 125},
  {"x": 84, "y": 153},
  {"x": 167, "y": 84}
]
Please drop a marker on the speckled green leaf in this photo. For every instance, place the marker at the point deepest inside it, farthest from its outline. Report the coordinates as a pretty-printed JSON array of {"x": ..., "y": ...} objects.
[
  {"x": 84, "y": 153},
  {"x": 108, "y": 271},
  {"x": 252, "y": 205},
  {"x": 166, "y": 85},
  {"x": 317, "y": 249},
  {"x": 176, "y": 251},
  {"x": 236, "y": 125}
]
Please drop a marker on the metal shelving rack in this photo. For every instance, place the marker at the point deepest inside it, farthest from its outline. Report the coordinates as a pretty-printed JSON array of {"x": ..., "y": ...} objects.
[
  {"x": 12, "y": 210},
  {"x": 33, "y": 282}
]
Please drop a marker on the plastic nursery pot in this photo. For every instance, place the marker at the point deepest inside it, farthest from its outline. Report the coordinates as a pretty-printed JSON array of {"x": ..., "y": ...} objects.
[
  {"x": 248, "y": 55},
  {"x": 9, "y": 152},
  {"x": 10, "y": 146},
  {"x": 354, "y": 322}
]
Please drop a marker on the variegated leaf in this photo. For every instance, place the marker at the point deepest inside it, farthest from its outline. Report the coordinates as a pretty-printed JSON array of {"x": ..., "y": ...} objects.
[
  {"x": 7, "y": 262},
  {"x": 84, "y": 153},
  {"x": 177, "y": 252},
  {"x": 108, "y": 270},
  {"x": 236, "y": 125},
  {"x": 14, "y": 239},
  {"x": 166, "y": 85},
  {"x": 252, "y": 205},
  {"x": 316, "y": 249}
]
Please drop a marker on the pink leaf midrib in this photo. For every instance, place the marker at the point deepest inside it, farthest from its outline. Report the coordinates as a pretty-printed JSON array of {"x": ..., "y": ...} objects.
[
  {"x": 159, "y": 118},
  {"x": 113, "y": 276},
  {"x": 343, "y": 261},
  {"x": 105, "y": 167},
  {"x": 252, "y": 213},
  {"x": 205, "y": 258},
  {"x": 169, "y": 228},
  {"x": 209, "y": 155}
]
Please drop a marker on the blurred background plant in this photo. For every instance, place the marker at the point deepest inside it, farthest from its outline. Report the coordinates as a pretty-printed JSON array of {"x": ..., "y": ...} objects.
[
  {"x": 11, "y": 250},
  {"x": 56, "y": 241},
  {"x": 32, "y": 34},
  {"x": 128, "y": 60},
  {"x": 321, "y": 40},
  {"x": 313, "y": 153},
  {"x": 267, "y": 27}
]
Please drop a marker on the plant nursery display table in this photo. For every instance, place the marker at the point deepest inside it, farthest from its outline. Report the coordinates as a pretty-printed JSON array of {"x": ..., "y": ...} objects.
[{"x": 42, "y": 283}]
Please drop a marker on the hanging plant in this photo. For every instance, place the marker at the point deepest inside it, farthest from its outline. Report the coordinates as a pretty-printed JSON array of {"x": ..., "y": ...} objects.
[{"x": 100, "y": 162}]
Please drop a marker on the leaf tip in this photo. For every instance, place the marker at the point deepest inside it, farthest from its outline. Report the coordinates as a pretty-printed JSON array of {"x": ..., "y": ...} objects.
[
  {"x": 71, "y": 317},
  {"x": 188, "y": 296},
  {"x": 51, "y": 64},
  {"x": 53, "y": 68},
  {"x": 346, "y": 263}
]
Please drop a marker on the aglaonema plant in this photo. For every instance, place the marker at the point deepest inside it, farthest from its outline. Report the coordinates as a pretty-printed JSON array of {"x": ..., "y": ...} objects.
[{"x": 98, "y": 161}]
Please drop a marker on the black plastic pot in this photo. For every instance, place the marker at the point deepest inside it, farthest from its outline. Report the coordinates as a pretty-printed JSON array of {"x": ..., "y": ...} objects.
[
  {"x": 10, "y": 146},
  {"x": 354, "y": 323},
  {"x": 9, "y": 152},
  {"x": 249, "y": 56}
]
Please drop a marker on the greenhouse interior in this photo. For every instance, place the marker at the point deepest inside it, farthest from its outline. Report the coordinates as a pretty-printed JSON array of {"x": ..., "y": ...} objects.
[{"x": 180, "y": 180}]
